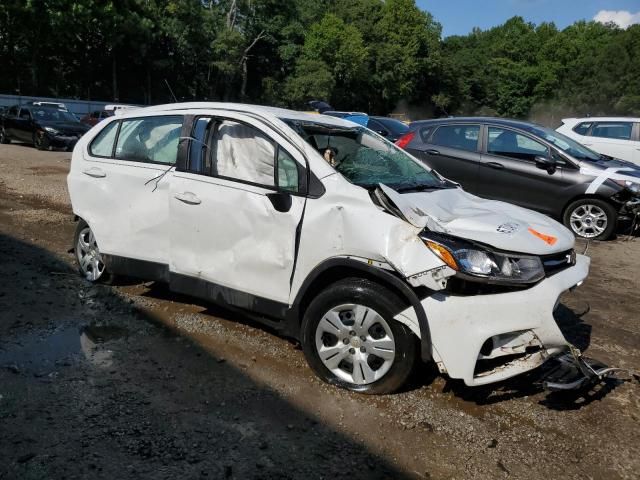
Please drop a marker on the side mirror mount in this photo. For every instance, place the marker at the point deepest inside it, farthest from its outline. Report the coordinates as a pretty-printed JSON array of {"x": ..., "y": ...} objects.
[
  {"x": 281, "y": 201},
  {"x": 546, "y": 163}
]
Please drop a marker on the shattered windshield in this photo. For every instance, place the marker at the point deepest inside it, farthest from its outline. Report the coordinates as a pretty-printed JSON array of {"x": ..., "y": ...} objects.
[
  {"x": 567, "y": 145},
  {"x": 366, "y": 159}
]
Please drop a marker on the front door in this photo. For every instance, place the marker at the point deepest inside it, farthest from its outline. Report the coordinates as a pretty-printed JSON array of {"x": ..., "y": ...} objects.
[
  {"x": 235, "y": 204},
  {"x": 508, "y": 171}
]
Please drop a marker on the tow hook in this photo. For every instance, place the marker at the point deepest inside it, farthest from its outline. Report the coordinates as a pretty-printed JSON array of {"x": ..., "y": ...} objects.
[{"x": 574, "y": 372}]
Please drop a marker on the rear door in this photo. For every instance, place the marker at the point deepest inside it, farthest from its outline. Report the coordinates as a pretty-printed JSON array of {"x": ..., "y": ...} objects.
[
  {"x": 508, "y": 171},
  {"x": 23, "y": 126},
  {"x": 452, "y": 150},
  {"x": 236, "y": 203},
  {"x": 124, "y": 186}
]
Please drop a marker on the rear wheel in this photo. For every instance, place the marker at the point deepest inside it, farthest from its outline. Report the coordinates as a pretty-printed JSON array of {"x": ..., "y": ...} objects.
[
  {"x": 90, "y": 263},
  {"x": 3, "y": 136},
  {"x": 591, "y": 218},
  {"x": 351, "y": 340}
]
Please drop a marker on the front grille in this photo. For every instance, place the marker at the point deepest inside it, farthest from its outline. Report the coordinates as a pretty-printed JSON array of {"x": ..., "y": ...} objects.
[{"x": 558, "y": 262}]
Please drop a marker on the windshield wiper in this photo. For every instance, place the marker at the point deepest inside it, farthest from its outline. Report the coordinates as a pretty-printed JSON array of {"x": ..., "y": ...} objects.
[{"x": 422, "y": 188}]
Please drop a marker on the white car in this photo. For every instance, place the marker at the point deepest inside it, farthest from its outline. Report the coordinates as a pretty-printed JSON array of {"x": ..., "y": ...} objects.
[
  {"x": 617, "y": 137},
  {"x": 327, "y": 232}
]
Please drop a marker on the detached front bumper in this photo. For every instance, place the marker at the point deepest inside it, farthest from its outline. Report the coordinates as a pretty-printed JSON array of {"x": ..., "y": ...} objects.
[{"x": 483, "y": 339}]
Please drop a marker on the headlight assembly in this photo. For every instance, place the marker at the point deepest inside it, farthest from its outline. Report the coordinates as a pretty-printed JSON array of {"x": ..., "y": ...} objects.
[
  {"x": 51, "y": 130},
  {"x": 479, "y": 263}
]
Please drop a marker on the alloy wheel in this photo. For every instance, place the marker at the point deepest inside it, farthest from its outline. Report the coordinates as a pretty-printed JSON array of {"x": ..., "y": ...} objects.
[
  {"x": 588, "y": 220},
  {"x": 355, "y": 343}
]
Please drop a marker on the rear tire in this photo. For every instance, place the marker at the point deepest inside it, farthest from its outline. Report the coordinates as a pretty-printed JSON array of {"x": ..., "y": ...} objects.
[
  {"x": 3, "y": 137},
  {"x": 350, "y": 339},
  {"x": 591, "y": 218},
  {"x": 90, "y": 263}
]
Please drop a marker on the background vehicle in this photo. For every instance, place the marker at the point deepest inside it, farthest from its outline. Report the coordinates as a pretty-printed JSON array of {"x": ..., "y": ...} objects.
[
  {"x": 96, "y": 116},
  {"x": 389, "y": 128},
  {"x": 236, "y": 204},
  {"x": 44, "y": 127},
  {"x": 530, "y": 166},
  {"x": 618, "y": 137}
]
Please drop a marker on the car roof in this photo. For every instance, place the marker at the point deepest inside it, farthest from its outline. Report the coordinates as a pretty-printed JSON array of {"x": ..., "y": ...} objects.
[
  {"x": 601, "y": 119},
  {"x": 264, "y": 111},
  {"x": 507, "y": 122}
]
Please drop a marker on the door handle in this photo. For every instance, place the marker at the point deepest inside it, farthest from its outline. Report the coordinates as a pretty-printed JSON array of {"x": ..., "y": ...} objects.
[
  {"x": 188, "y": 198},
  {"x": 496, "y": 165},
  {"x": 95, "y": 172},
  {"x": 431, "y": 151}
]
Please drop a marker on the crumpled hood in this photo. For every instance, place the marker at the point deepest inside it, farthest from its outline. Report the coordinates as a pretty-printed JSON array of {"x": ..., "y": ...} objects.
[{"x": 499, "y": 224}]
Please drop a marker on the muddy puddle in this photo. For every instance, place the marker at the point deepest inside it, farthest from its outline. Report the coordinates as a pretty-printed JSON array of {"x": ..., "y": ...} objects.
[{"x": 41, "y": 352}]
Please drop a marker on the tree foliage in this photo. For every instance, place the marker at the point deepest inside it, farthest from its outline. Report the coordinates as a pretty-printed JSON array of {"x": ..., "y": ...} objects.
[{"x": 370, "y": 55}]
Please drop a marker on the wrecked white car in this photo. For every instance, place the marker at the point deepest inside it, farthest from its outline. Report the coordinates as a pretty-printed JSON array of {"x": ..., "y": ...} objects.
[{"x": 327, "y": 232}]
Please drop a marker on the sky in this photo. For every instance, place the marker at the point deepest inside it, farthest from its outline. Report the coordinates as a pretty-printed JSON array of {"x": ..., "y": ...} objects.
[{"x": 459, "y": 17}]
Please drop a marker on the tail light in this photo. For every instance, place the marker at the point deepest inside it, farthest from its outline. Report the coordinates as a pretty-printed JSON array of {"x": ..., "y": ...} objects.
[{"x": 405, "y": 140}]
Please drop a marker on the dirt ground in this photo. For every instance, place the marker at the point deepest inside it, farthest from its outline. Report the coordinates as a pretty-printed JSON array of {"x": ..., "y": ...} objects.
[{"x": 132, "y": 381}]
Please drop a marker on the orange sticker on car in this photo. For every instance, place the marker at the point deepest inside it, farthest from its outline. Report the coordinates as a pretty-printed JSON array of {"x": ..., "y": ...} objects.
[{"x": 548, "y": 239}]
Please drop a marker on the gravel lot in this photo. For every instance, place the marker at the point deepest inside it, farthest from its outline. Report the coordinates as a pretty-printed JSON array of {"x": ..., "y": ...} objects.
[{"x": 132, "y": 381}]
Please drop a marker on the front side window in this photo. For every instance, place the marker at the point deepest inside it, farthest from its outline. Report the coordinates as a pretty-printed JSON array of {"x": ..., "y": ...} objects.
[
  {"x": 24, "y": 113},
  {"x": 614, "y": 130},
  {"x": 507, "y": 143},
  {"x": 288, "y": 177},
  {"x": 582, "y": 128},
  {"x": 149, "y": 139},
  {"x": 462, "y": 137},
  {"x": 230, "y": 149},
  {"x": 364, "y": 158},
  {"x": 102, "y": 145}
]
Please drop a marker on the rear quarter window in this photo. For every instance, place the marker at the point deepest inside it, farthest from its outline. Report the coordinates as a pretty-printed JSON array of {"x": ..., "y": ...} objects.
[
  {"x": 102, "y": 145},
  {"x": 582, "y": 128}
]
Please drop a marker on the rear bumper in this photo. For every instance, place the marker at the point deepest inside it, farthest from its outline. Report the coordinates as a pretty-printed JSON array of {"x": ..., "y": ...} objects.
[{"x": 483, "y": 339}]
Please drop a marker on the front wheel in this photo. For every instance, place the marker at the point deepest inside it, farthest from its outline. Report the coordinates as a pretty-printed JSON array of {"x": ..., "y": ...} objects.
[
  {"x": 40, "y": 141},
  {"x": 90, "y": 263},
  {"x": 591, "y": 218},
  {"x": 350, "y": 339},
  {"x": 3, "y": 136}
]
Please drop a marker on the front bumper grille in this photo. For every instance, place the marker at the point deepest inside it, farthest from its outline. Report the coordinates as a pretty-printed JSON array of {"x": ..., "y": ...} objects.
[{"x": 558, "y": 262}]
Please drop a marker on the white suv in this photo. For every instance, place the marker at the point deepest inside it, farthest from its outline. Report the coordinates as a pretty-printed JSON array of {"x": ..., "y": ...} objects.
[
  {"x": 617, "y": 137},
  {"x": 327, "y": 232}
]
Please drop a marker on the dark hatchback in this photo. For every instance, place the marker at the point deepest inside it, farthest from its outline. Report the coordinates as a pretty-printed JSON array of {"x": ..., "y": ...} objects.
[
  {"x": 42, "y": 126},
  {"x": 388, "y": 127},
  {"x": 531, "y": 166}
]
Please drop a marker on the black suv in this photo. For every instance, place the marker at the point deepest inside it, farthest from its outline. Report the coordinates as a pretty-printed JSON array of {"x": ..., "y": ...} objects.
[
  {"x": 531, "y": 166},
  {"x": 43, "y": 126}
]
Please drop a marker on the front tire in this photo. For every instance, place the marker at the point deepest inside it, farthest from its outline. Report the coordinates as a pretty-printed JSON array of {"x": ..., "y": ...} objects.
[
  {"x": 90, "y": 263},
  {"x": 591, "y": 218},
  {"x": 40, "y": 141},
  {"x": 350, "y": 339},
  {"x": 4, "y": 139}
]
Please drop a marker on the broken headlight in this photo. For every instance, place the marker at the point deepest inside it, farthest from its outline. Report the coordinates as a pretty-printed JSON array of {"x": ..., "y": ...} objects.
[{"x": 478, "y": 262}]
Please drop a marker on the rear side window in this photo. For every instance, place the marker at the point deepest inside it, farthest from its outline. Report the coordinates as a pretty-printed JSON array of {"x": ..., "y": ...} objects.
[
  {"x": 149, "y": 139},
  {"x": 462, "y": 137},
  {"x": 615, "y": 130},
  {"x": 425, "y": 133},
  {"x": 582, "y": 128},
  {"x": 102, "y": 145},
  {"x": 508, "y": 143}
]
